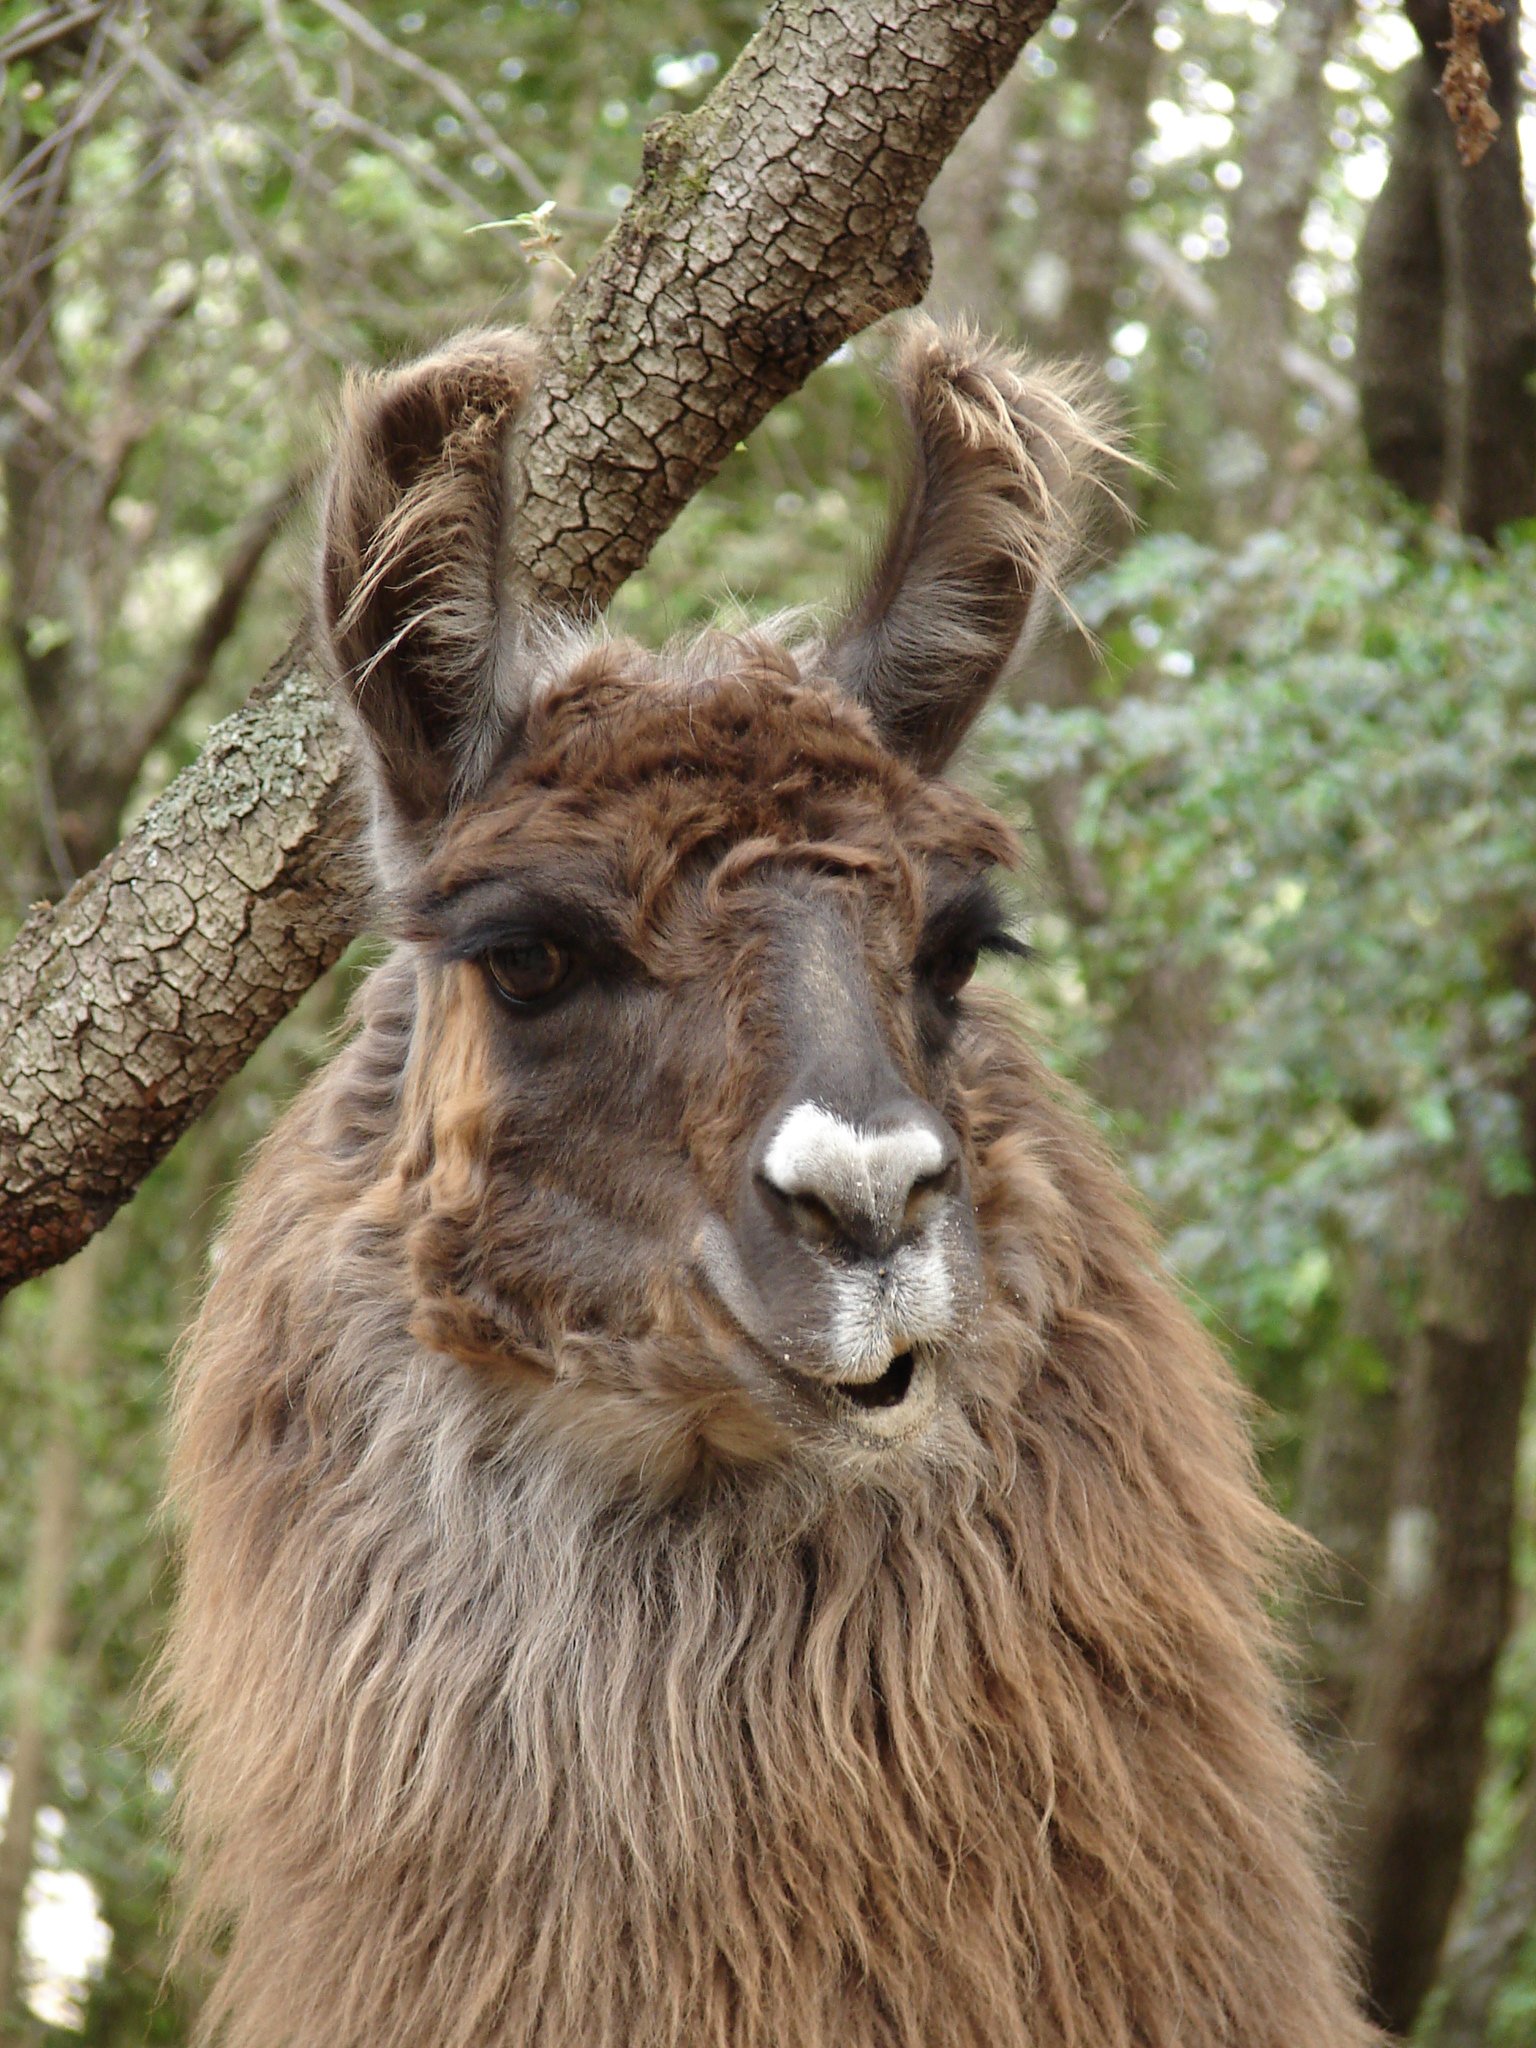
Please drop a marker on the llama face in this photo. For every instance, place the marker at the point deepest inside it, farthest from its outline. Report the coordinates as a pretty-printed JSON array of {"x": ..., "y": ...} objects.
[
  {"x": 693, "y": 974},
  {"x": 682, "y": 1124}
]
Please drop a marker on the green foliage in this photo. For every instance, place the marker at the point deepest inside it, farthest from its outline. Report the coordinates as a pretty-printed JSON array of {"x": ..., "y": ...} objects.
[{"x": 1311, "y": 772}]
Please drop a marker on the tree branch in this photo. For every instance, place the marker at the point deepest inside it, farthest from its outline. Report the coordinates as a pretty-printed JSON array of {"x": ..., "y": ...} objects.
[
  {"x": 35, "y": 188},
  {"x": 124, "y": 1009},
  {"x": 771, "y": 225},
  {"x": 47, "y": 25}
]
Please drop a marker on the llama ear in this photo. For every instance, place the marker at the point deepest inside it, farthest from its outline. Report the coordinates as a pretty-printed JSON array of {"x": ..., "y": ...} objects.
[
  {"x": 411, "y": 567},
  {"x": 1004, "y": 461}
]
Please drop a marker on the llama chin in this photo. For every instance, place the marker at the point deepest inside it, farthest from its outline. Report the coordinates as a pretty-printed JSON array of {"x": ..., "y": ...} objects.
[{"x": 705, "y": 1523}]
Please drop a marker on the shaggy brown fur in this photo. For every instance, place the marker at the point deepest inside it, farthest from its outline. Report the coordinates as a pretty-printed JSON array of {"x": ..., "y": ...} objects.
[{"x": 565, "y": 1662}]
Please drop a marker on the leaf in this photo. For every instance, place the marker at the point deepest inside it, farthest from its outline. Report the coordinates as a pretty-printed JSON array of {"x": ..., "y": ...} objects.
[
  {"x": 45, "y": 636},
  {"x": 1432, "y": 1117}
]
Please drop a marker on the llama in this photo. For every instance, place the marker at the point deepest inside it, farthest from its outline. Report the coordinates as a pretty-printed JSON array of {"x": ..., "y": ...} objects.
[{"x": 705, "y": 1526}]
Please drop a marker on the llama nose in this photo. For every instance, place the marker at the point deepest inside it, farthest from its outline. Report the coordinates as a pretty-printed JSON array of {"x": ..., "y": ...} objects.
[{"x": 847, "y": 1184}]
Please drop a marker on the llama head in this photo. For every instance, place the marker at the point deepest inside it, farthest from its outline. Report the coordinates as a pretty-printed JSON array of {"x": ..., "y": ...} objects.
[{"x": 681, "y": 1147}]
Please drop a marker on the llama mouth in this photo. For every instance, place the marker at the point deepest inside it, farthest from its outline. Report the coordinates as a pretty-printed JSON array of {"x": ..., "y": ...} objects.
[
  {"x": 888, "y": 1391},
  {"x": 890, "y": 1408}
]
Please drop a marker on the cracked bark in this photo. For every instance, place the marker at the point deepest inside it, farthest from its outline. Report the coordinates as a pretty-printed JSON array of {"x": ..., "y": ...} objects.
[
  {"x": 124, "y": 1008},
  {"x": 770, "y": 225}
]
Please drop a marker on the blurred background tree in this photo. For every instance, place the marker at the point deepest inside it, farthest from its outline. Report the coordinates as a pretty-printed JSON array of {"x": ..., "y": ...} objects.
[{"x": 1283, "y": 802}]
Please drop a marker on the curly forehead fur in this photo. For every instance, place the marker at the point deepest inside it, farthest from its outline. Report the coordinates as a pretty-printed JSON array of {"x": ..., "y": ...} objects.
[
  {"x": 581, "y": 1644},
  {"x": 735, "y": 744}
]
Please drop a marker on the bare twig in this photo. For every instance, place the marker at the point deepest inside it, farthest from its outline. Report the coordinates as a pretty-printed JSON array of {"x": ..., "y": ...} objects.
[
  {"x": 55, "y": 149},
  {"x": 194, "y": 58},
  {"x": 45, "y": 796},
  {"x": 84, "y": 225},
  {"x": 453, "y": 95},
  {"x": 206, "y": 44},
  {"x": 44, "y": 413},
  {"x": 29, "y": 207},
  {"x": 47, "y": 25},
  {"x": 346, "y": 117},
  {"x": 280, "y": 300}
]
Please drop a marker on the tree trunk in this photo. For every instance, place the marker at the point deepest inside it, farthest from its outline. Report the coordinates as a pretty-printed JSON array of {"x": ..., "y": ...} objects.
[
  {"x": 769, "y": 226},
  {"x": 1400, "y": 312},
  {"x": 1067, "y": 291},
  {"x": 1443, "y": 1612},
  {"x": 50, "y": 1570},
  {"x": 1343, "y": 1498},
  {"x": 1446, "y": 349},
  {"x": 1282, "y": 151},
  {"x": 1066, "y": 306},
  {"x": 1486, "y": 1947},
  {"x": 1490, "y": 332}
]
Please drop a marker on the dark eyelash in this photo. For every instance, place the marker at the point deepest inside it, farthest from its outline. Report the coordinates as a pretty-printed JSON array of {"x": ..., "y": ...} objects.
[
  {"x": 478, "y": 940},
  {"x": 1006, "y": 942},
  {"x": 576, "y": 934},
  {"x": 973, "y": 918}
]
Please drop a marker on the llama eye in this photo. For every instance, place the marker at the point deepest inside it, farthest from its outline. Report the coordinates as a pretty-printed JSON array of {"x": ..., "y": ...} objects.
[
  {"x": 948, "y": 972},
  {"x": 528, "y": 971}
]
